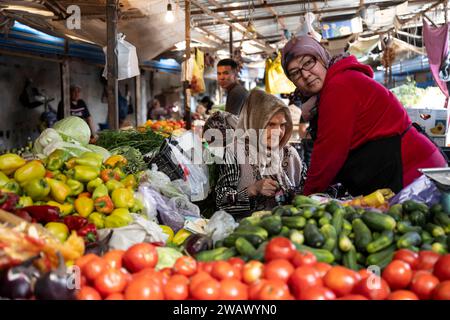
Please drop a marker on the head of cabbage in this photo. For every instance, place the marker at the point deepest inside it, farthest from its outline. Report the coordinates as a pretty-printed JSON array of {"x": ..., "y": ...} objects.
[{"x": 73, "y": 129}]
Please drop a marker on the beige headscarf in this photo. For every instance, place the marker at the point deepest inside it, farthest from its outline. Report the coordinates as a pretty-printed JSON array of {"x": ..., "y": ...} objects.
[{"x": 259, "y": 108}]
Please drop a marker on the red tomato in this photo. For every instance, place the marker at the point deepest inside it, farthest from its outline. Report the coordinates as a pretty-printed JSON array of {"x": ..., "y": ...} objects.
[
  {"x": 423, "y": 284},
  {"x": 80, "y": 262},
  {"x": 176, "y": 288},
  {"x": 197, "y": 278},
  {"x": 113, "y": 259},
  {"x": 279, "y": 248},
  {"x": 340, "y": 280},
  {"x": 94, "y": 268},
  {"x": 278, "y": 269},
  {"x": 303, "y": 259},
  {"x": 364, "y": 273},
  {"x": 373, "y": 288},
  {"x": 322, "y": 268},
  {"x": 88, "y": 293},
  {"x": 232, "y": 289},
  {"x": 427, "y": 259},
  {"x": 442, "y": 268},
  {"x": 252, "y": 271},
  {"x": 167, "y": 272},
  {"x": 237, "y": 262},
  {"x": 185, "y": 265},
  {"x": 152, "y": 274},
  {"x": 317, "y": 293},
  {"x": 274, "y": 290},
  {"x": 143, "y": 288},
  {"x": 410, "y": 257},
  {"x": 304, "y": 278},
  {"x": 140, "y": 256},
  {"x": 223, "y": 270},
  {"x": 208, "y": 289},
  {"x": 398, "y": 274},
  {"x": 352, "y": 297},
  {"x": 110, "y": 281},
  {"x": 115, "y": 296},
  {"x": 402, "y": 295},
  {"x": 442, "y": 291},
  {"x": 255, "y": 288}
]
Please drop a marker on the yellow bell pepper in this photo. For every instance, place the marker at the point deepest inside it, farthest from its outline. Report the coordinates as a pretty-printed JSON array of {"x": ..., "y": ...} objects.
[
  {"x": 180, "y": 237},
  {"x": 61, "y": 177},
  {"x": 118, "y": 218},
  {"x": 30, "y": 171},
  {"x": 93, "y": 184},
  {"x": 10, "y": 162},
  {"x": 113, "y": 185},
  {"x": 58, "y": 229},
  {"x": 3, "y": 179},
  {"x": 123, "y": 198},
  {"x": 65, "y": 208},
  {"x": 84, "y": 206},
  {"x": 84, "y": 173},
  {"x": 98, "y": 219},
  {"x": 130, "y": 181},
  {"x": 25, "y": 201},
  {"x": 115, "y": 160},
  {"x": 167, "y": 230},
  {"x": 59, "y": 191},
  {"x": 37, "y": 189}
]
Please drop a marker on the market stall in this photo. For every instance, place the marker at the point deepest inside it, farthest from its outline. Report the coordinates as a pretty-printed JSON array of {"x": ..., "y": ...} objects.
[{"x": 122, "y": 216}]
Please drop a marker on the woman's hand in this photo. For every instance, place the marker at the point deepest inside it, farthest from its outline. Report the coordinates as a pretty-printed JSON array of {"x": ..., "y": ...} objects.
[{"x": 266, "y": 187}]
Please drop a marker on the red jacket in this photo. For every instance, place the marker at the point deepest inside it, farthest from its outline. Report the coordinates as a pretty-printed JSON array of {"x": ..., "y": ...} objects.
[{"x": 354, "y": 109}]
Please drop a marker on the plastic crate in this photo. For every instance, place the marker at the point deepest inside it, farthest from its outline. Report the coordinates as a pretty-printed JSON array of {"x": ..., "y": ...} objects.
[{"x": 164, "y": 159}]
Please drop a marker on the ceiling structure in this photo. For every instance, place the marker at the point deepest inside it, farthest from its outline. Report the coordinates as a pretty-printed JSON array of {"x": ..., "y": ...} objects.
[{"x": 259, "y": 27}]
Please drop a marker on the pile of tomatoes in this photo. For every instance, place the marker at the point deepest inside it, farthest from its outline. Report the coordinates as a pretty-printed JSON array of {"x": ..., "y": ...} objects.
[{"x": 286, "y": 274}]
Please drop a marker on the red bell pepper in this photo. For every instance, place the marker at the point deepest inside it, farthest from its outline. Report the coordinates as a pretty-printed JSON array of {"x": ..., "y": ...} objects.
[
  {"x": 88, "y": 232},
  {"x": 8, "y": 201},
  {"x": 43, "y": 214},
  {"x": 75, "y": 222}
]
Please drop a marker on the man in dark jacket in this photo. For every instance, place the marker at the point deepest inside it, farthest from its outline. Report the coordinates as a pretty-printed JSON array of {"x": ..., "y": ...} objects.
[{"x": 227, "y": 75}]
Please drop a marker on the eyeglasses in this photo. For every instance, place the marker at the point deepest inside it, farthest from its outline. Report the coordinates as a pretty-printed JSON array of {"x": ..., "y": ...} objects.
[{"x": 308, "y": 65}]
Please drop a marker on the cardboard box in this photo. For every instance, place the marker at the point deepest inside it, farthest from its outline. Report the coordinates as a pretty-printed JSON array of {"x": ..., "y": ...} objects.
[{"x": 433, "y": 121}]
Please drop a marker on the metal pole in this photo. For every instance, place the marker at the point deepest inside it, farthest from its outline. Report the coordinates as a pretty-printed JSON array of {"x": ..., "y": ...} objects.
[
  {"x": 65, "y": 82},
  {"x": 111, "y": 33},
  {"x": 140, "y": 119},
  {"x": 231, "y": 42},
  {"x": 186, "y": 90}
]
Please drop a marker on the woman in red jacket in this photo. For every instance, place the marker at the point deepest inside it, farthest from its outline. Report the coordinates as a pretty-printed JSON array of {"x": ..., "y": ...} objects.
[{"x": 363, "y": 137}]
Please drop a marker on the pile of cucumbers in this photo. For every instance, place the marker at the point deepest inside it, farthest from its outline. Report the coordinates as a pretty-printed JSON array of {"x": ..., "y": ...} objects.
[{"x": 345, "y": 235}]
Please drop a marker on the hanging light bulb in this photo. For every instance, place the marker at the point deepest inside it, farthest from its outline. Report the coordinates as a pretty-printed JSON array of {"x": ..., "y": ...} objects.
[{"x": 169, "y": 14}]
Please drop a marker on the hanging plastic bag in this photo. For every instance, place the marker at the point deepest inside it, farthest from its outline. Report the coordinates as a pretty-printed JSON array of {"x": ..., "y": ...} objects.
[
  {"x": 195, "y": 70},
  {"x": 127, "y": 59},
  {"x": 276, "y": 81}
]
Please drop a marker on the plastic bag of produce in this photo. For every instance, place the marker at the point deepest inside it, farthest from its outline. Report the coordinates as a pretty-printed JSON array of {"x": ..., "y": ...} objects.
[
  {"x": 421, "y": 190},
  {"x": 141, "y": 230},
  {"x": 161, "y": 182},
  {"x": 184, "y": 206},
  {"x": 220, "y": 225},
  {"x": 148, "y": 203},
  {"x": 127, "y": 59}
]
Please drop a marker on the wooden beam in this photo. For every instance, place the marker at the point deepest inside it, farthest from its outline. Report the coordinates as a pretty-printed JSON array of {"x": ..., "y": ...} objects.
[
  {"x": 186, "y": 90},
  {"x": 231, "y": 43},
  {"x": 65, "y": 83},
  {"x": 256, "y": 6},
  {"x": 112, "y": 91},
  {"x": 212, "y": 34},
  {"x": 138, "y": 109},
  {"x": 259, "y": 43}
]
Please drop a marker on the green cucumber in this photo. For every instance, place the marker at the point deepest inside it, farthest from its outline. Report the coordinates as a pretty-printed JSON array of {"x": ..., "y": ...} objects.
[
  {"x": 321, "y": 254},
  {"x": 378, "y": 257},
  {"x": 396, "y": 212},
  {"x": 435, "y": 208},
  {"x": 313, "y": 237},
  {"x": 259, "y": 253},
  {"x": 410, "y": 206},
  {"x": 406, "y": 226},
  {"x": 331, "y": 237},
  {"x": 297, "y": 222},
  {"x": 418, "y": 218},
  {"x": 363, "y": 235},
  {"x": 300, "y": 200},
  {"x": 434, "y": 230},
  {"x": 385, "y": 240},
  {"x": 284, "y": 232},
  {"x": 338, "y": 219},
  {"x": 345, "y": 244},
  {"x": 442, "y": 219},
  {"x": 426, "y": 237},
  {"x": 337, "y": 254},
  {"x": 214, "y": 254},
  {"x": 230, "y": 240},
  {"x": 324, "y": 221},
  {"x": 296, "y": 236},
  {"x": 307, "y": 213},
  {"x": 244, "y": 247},
  {"x": 250, "y": 221},
  {"x": 349, "y": 259},
  {"x": 272, "y": 224},
  {"x": 378, "y": 221},
  {"x": 346, "y": 227},
  {"x": 332, "y": 206},
  {"x": 409, "y": 239}
]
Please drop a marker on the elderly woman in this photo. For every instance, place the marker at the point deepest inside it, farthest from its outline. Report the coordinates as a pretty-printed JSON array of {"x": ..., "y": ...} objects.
[
  {"x": 259, "y": 165},
  {"x": 362, "y": 135}
]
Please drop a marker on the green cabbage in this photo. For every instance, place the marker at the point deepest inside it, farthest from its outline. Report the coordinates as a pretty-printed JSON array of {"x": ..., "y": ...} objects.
[
  {"x": 73, "y": 129},
  {"x": 167, "y": 257},
  {"x": 47, "y": 137}
]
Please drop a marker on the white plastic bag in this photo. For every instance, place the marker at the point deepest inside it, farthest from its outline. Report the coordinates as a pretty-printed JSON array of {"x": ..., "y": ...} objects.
[
  {"x": 127, "y": 59},
  {"x": 220, "y": 225},
  {"x": 140, "y": 230}
]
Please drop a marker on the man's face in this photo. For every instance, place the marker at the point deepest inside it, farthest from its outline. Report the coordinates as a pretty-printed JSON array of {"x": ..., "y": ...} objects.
[
  {"x": 226, "y": 76},
  {"x": 75, "y": 94}
]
